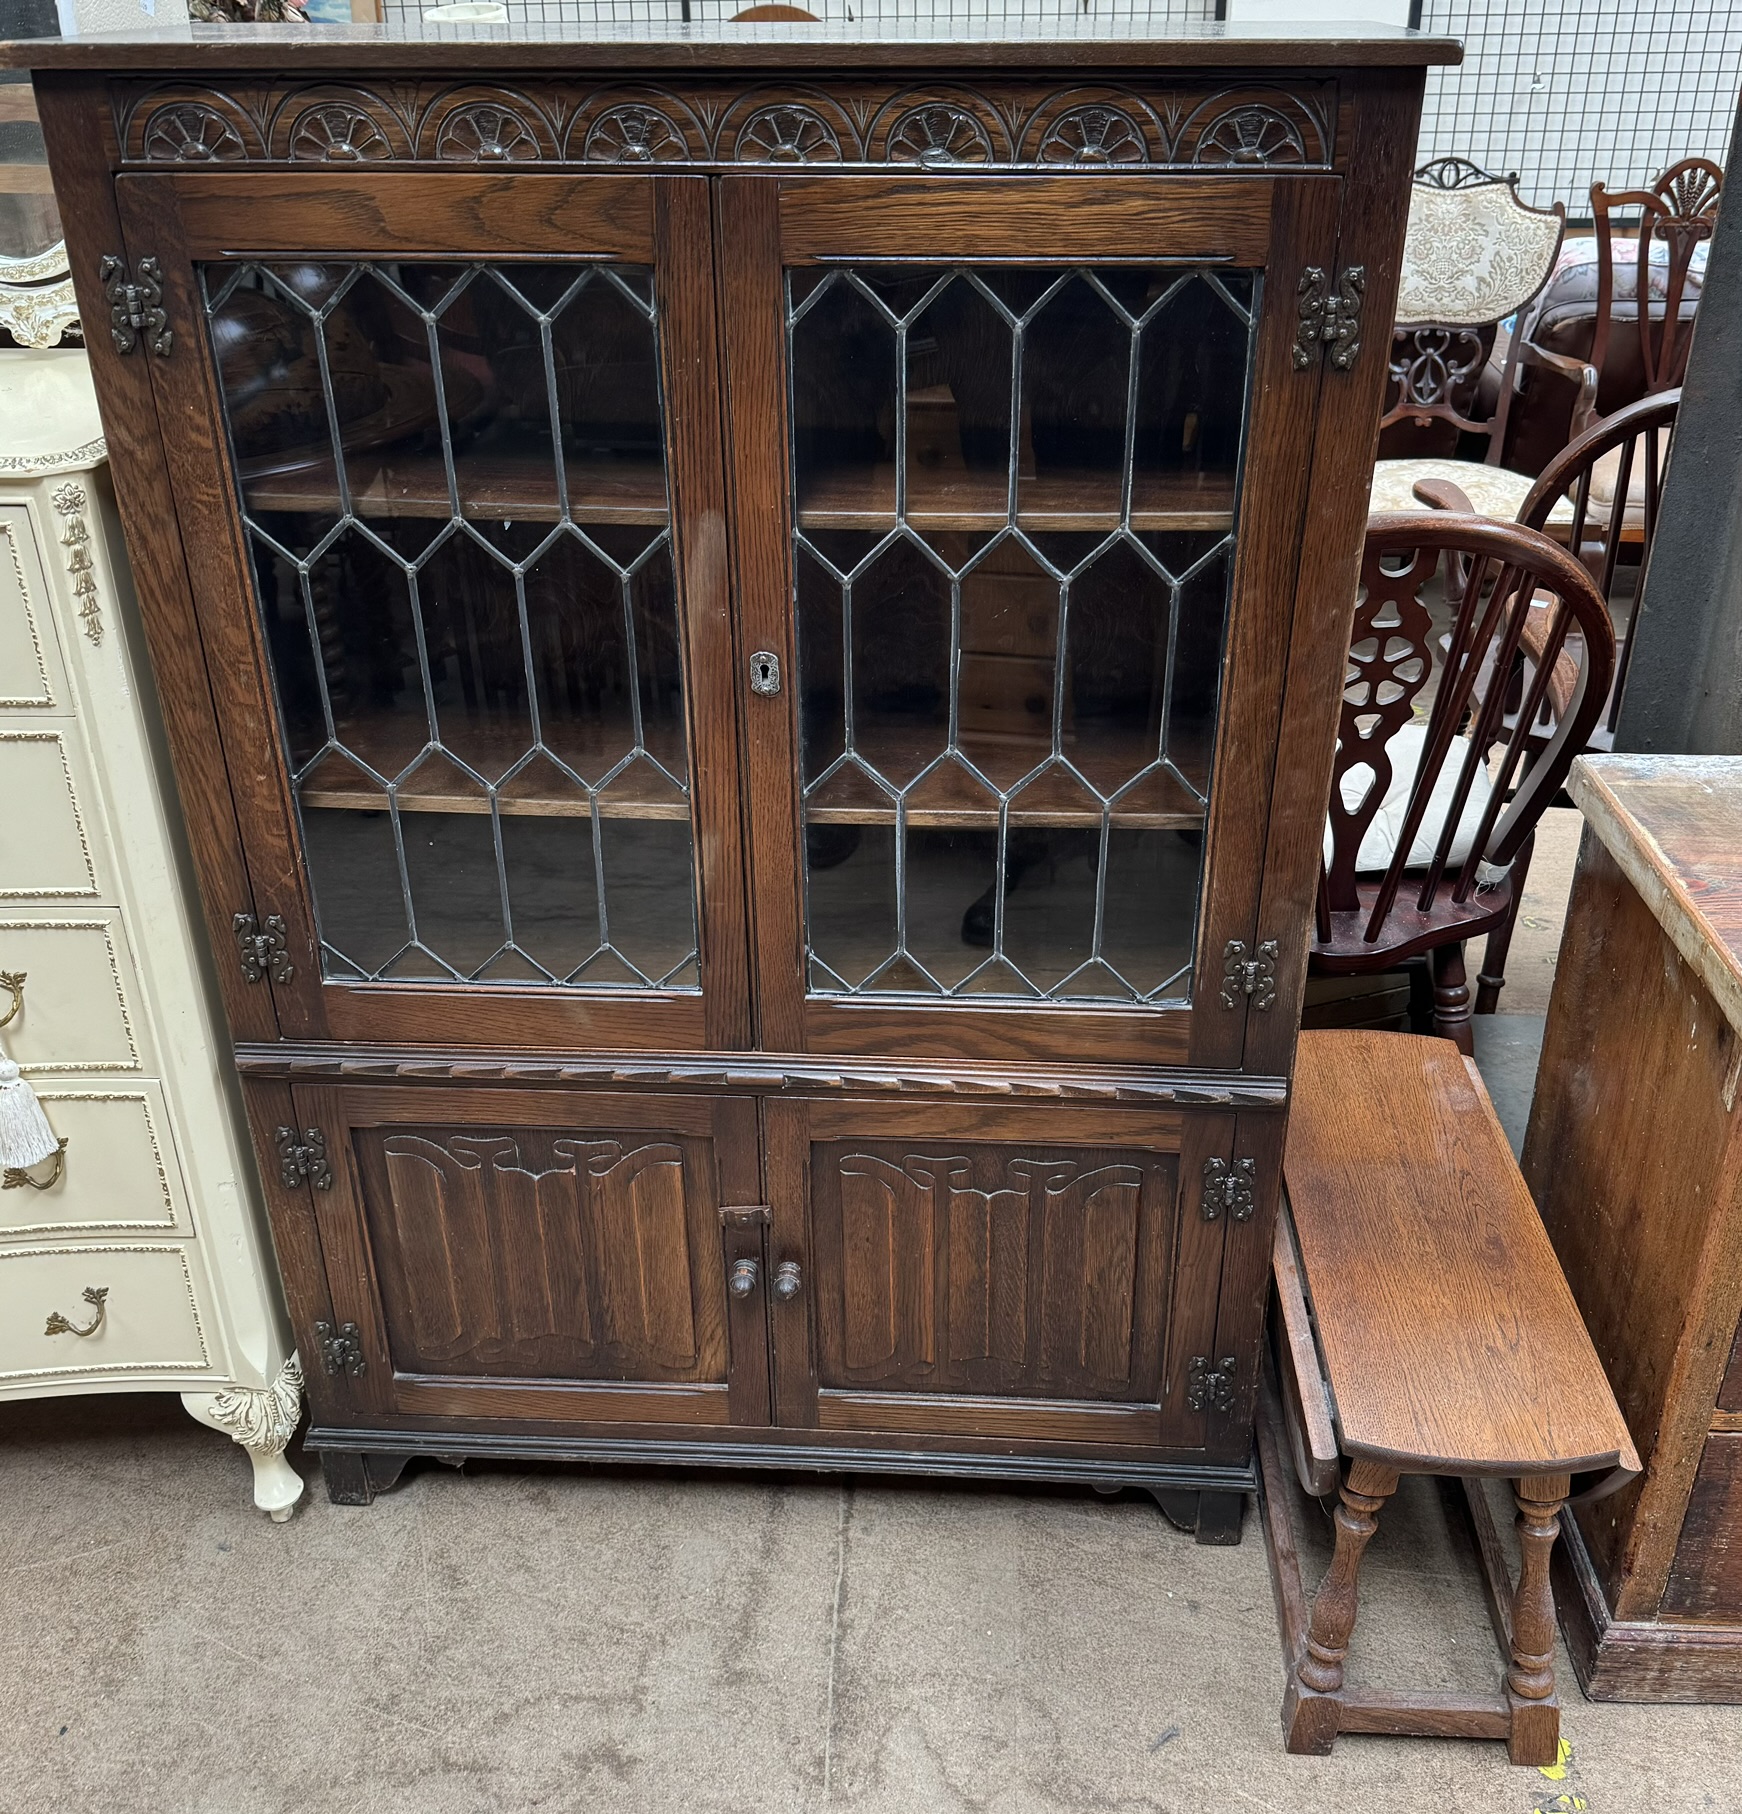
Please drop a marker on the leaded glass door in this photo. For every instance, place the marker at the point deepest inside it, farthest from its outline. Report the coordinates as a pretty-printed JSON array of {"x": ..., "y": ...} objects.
[
  {"x": 1021, "y": 467},
  {"x": 465, "y": 469}
]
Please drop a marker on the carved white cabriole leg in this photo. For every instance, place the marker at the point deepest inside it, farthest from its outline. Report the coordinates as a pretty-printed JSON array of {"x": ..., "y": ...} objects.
[{"x": 262, "y": 1422}]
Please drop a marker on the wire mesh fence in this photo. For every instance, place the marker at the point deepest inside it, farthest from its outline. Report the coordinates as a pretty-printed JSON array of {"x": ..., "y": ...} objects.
[
  {"x": 1570, "y": 92},
  {"x": 942, "y": 17}
]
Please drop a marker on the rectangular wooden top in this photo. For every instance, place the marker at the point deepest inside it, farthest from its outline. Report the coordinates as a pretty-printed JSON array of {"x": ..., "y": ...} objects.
[
  {"x": 1450, "y": 1337},
  {"x": 1673, "y": 824},
  {"x": 617, "y": 34}
]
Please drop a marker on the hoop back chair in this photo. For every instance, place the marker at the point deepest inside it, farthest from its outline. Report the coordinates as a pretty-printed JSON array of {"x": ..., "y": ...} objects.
[
  {"x": 1429, "y": 810},
  {"x": 1474, "y": 255},
  {"x": 1611, "y": 481}
]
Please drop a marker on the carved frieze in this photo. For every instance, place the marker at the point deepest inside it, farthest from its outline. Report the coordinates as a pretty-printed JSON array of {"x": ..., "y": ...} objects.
[{"x": 931, "y": 126}]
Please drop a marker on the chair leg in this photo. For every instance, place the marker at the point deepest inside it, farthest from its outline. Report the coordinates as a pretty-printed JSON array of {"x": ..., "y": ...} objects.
[
  {"x": 1492, "y": 977},
  {"x": 1536, "y": 1719},
  {"x": 1309, "y": 1710},
  {"x": 1452, "y": 997}
]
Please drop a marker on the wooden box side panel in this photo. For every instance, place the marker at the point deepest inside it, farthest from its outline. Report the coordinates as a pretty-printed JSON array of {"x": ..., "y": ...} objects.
[
  {"x": 1705, "y": 1580},
  {"x": 1632, "y": 1160},
  {"x": 1730, "y": 1393}
]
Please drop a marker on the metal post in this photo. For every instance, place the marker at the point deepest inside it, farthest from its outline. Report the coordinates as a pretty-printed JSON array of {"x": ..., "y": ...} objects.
[{"x": 1684, "y": 684}]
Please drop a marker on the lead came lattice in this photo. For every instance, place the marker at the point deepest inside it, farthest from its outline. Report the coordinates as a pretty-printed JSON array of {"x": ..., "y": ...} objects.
[
  {"x": 454, "y": 487},
  {"x": 967, "y": 500}
]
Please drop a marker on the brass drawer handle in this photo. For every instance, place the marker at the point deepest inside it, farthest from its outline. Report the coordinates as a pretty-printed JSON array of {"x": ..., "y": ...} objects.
[
  {"x": 13, "y": 981},
  {"x": 16, "y": 1177},
  {"x": 97, "y": 1296}
]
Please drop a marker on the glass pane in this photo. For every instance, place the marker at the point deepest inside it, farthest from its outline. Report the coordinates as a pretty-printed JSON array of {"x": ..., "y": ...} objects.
[
  {"x": 29, "y": 220},
  {"x": 453, "y": 482},
  {"x": 1015, "y": 507}
]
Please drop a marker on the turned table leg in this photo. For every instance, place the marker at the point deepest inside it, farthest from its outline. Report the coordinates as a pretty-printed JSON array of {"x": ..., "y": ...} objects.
[
  {"x": 1536, "y": 1722},
  {"x": 1309, "y": 1712}
]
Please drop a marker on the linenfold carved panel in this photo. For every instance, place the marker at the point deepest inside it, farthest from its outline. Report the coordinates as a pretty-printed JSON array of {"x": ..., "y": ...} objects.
[
  {"x": 991, "y": 1268},
  {"x": 933, "y": 126},
  {"x": 536, "y": 1254}
]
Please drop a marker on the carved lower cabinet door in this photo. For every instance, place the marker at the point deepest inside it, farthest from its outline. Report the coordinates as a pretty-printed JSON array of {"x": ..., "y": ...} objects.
[
  {"x": 519, "y": 1254},
  {"x": 997, "y": 1273}
]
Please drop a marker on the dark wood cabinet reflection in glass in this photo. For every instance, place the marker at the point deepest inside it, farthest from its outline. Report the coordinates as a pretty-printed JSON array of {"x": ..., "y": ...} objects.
[
  {"x": 452, "y": 478},
  {"x": 1014, "y": 527}
]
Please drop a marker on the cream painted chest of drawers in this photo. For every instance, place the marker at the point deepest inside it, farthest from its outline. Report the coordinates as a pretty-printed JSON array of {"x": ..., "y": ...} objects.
[{"x": 138, "y": 1260}]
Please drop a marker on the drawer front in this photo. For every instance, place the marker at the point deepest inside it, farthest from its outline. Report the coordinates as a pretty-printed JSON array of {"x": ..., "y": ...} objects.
[
  {"x": 147, "y": 1320},
  {"x": 76, "y": 1012},
  {"x": 1705, "y": 1580},
  {"x": 118, "y": 1172},
  {"x": 46, "y": 830},
  {"x": 31, "y": 676}
]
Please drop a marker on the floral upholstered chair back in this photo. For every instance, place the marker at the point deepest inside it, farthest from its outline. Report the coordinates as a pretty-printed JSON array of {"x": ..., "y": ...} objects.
[{"x": 1474, "y": 255}]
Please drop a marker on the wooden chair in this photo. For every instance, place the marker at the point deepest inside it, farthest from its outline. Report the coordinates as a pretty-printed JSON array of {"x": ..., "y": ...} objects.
[
  {"x": 1587, "y": 347},
  {"x": 1423, "y": 1326},
  {"x": 1608, "y": 484},
  {"x": 1474, "y": 255},
  {"x": 1430, "y": 809}
]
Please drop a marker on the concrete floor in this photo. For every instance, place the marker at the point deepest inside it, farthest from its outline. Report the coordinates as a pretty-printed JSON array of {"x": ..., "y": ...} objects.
[{"x": 582, "y": 1642}]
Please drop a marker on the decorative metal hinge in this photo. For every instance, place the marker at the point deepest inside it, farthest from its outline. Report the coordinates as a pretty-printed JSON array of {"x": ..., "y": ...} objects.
[
  {"x": 1211, "y": 1388},
  {"x": 1229, "y": 1187},
  {"x": 262, "y": 947},
  {"x": 1243, "y": 975},
  {"x": 136, "y": 305},
  {"x": 1330, "y": 320},
  {"x": 303, "y": 1157},
  {"x": 341, "y": 1348}
]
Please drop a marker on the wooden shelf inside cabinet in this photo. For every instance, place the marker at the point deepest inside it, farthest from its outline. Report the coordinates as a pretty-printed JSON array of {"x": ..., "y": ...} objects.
[
  {"x": 864, "y": 498},
  {"x": 950, "y": 800},
  {"x": 540, "y": 790},
  {"x": 499, "y": 488}
]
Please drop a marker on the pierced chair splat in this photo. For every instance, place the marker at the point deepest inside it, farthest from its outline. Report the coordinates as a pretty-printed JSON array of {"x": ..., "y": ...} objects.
[{"x": 1435, "y": 786}]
